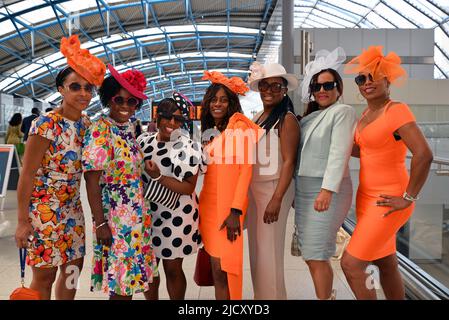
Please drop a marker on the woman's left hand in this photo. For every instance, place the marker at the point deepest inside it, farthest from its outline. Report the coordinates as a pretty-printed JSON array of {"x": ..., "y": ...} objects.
[
  {"x": 394, "y": 202},
  {"x": 152, "y": 169},
  {"x": 272, "y": 211}
]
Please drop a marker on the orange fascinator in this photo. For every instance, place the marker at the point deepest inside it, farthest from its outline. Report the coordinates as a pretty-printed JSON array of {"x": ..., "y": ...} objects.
[
  {"x": 85, "y": 64},
  {"x": 379, "y": 66},
  {"x": 235, "y": 84}
]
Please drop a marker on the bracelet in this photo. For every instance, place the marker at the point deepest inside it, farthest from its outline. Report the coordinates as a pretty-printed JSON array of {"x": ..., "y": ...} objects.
[
  {"x": 408, "y": 197},
  {"x": 101, "y": 224},
  {"x": 156, "y": 179}
]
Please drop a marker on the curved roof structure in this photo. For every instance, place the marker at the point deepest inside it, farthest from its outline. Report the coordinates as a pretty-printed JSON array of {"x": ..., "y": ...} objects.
[{"x": 172, "y": 42}]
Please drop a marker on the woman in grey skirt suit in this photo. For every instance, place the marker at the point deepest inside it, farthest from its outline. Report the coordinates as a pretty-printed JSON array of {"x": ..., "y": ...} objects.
[{"x": 323, "y": 184}]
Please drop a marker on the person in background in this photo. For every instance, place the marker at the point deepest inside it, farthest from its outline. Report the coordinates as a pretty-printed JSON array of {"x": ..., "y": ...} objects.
[
  {"x": 152, "y": 126},
  {"x": 138, "y": 128},
  {"x": 26, "y": 123},
  {"x": 386, "y": 194},
  {"x": 48, "y": 109},
  {"x": 13, "y": 134},
  {"x": 50, "y": 216}
]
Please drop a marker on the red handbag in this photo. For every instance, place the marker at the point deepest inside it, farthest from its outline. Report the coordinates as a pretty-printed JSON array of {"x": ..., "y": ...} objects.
[
  {"x": 23, "y": 293},
  {"x": 203, "y": 269}
]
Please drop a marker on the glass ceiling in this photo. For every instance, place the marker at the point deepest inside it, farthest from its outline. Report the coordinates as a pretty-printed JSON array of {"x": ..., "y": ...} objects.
[
  {"x": 17, "y": 17},
  {"x": 371, "y": 14}
]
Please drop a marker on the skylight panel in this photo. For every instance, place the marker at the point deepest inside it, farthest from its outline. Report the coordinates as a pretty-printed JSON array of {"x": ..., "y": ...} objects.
[
  {"x": 394, "y": 17},
  {"x": 378, "y": 21}
]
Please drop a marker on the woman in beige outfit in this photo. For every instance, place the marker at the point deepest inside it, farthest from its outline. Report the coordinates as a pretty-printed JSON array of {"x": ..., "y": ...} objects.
[{"x": 272, "y": 187}]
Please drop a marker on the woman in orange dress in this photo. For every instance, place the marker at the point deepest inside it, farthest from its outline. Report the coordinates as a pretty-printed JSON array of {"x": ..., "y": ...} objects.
[
  {"x": 224, "y": 196},
  {"x": 386, "y": 193}
]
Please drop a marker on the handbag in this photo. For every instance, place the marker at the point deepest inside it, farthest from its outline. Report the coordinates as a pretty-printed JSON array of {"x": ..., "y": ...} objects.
[
  {"x": 203, "y": 269},
  {"x": 159, "y": 194},
  {"x": 295, "y": 250},
  {"x": 342, "y": 240},
  {"x": 23, "y": 293}
]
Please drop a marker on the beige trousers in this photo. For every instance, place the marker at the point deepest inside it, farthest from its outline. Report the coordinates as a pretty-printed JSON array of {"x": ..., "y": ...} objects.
[{"x": 267, "y": 241}]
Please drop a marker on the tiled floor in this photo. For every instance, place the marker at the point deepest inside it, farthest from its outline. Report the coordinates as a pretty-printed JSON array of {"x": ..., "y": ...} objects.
[{"x": 298, "y": 281}]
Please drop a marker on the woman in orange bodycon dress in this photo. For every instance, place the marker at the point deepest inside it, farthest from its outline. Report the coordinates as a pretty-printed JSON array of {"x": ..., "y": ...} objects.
[
  {"x": 386, "y": 191},
  {"x": 224, "y": 196}
]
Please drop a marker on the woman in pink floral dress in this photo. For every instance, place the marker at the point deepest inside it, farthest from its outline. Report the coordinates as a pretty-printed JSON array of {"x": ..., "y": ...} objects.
[{"x": 123, "y": 259}]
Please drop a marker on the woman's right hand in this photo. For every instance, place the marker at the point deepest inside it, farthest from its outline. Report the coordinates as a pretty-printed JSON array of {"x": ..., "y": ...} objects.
[
  {"x": 104, "y": 235},
  {"x": 23, "y": 231},
  {"x": 232, "y": 225}
]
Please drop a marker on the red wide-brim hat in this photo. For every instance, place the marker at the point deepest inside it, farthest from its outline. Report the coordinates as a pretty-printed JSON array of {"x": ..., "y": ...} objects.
[{"x": 131, "y": 80}]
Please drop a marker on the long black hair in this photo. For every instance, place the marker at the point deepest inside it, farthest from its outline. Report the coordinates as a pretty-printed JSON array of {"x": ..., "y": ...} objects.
[
  {"x": 313, "y": 106},
  {"x": 207, "y": 121},
  {"x": 16, "y": 119}
]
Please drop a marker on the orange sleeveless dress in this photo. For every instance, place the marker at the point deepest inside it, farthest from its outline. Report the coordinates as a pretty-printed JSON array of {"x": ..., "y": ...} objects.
[
  {"x": 382, "y": 171},
  {"x": 226, "y": 186}
]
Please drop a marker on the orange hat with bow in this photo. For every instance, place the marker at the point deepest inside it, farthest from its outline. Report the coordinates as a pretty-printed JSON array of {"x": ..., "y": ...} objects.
[
  {"x": 379, "y": 66},
  {"x": 235, "y": 84},
  {"x": 85, "y": 64}
]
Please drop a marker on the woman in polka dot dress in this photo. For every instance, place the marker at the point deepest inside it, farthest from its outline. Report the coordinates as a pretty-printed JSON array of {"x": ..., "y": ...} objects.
[{"x": 174, "y": 160}]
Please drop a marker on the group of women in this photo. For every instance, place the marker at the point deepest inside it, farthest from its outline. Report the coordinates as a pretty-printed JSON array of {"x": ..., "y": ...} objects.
[{"x": 141, "y": 192}]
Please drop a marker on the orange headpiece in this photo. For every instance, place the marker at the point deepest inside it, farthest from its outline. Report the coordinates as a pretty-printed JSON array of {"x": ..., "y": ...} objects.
[
  {"x": 85, "y": 64},
  {"x": 235, "y": 84},
  {"x": 379, "y": 66}
]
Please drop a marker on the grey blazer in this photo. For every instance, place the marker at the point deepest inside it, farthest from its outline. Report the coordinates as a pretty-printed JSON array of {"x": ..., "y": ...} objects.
[{"x": 327, "y": 146}]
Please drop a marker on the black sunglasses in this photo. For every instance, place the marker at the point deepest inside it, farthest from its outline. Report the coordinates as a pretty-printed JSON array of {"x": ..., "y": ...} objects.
[
  {"x": 76, "y": 87},
  {"x": 275, "y": 87},
  {"x": 168, "y": 116},
  {"x": 361, "y": 79},
  {"x": 327, "y": 86},
  {"x": 131, "y": 101}
]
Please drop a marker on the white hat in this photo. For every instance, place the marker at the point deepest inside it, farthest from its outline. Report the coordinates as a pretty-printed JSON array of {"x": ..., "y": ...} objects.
[
  {"x": 323, "y": 60},
  {"x": 270, "y": 70}
]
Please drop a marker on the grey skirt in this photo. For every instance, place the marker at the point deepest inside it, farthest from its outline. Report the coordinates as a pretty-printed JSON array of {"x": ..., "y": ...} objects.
[{"x": 317, "y": 231}]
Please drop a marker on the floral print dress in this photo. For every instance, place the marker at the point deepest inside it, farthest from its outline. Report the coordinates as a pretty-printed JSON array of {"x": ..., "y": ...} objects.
[
  {"x": 55, "y": 207},
  {"x": 128, "y": 265}
]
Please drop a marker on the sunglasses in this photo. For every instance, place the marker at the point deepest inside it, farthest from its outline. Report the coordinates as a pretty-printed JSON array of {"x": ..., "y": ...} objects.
[
  {"x": 327, "y": 86},
  {"x": 76, "y": 87},
  {"x": 361, "y": 79},
  {"x": 168, "y": 116},
  {"x": 275, "y": 87},
  {"x": 131, "y": 101}
]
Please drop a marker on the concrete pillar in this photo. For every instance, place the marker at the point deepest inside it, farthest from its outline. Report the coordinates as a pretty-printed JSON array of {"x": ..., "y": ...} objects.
[{"x": 287, "y": 35}]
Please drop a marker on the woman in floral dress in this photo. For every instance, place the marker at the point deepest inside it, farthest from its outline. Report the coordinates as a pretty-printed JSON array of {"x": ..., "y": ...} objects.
[
  {"x": 50, "y": 216},
  {"x": 123, "y": 260}
]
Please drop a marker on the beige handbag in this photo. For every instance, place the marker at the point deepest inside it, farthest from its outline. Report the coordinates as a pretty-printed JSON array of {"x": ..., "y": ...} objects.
[{"x": 342, "y": 241}]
